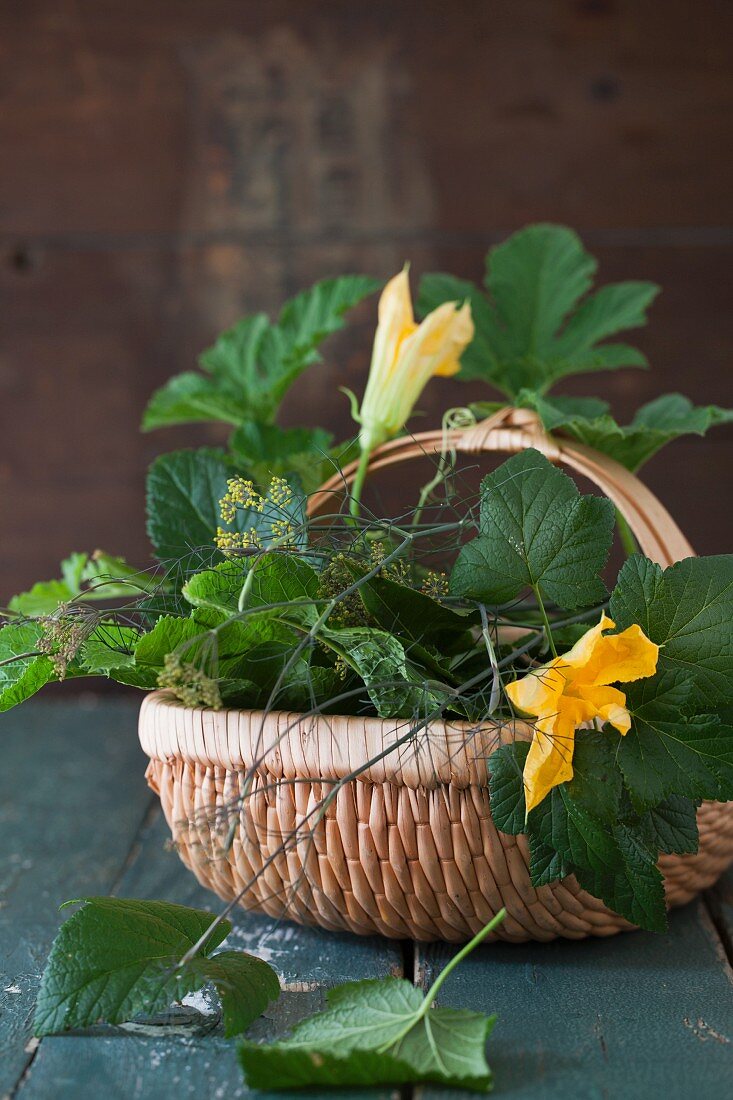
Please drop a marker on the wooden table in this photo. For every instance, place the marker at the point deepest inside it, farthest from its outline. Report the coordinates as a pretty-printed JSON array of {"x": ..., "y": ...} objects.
[{"x": 634, "y": 1017}]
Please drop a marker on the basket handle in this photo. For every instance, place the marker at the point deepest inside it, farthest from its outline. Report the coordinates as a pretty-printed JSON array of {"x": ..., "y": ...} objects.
[{"x": 513, "y": 430}]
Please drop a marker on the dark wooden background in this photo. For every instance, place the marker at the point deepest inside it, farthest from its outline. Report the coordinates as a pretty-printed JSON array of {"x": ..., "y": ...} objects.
[{"x": 169, "y": 166}]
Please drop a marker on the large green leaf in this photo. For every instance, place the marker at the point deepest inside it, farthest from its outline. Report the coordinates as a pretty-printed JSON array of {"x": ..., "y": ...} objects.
[
  {"x": 536, "y": 326},
  {"x": 23, "y": 670},
  {"x": 375, "y": 1033},
  {"x": 614, "y": 863},
  {"x": 596, "y": 783},
  {"x": 183, "y": 493},
  {"x": 687, "y": 610},
  {"x": 671, "y": 827},
  {"x": 579, "y": 837},
  {"x": 654, "y": 425},
  {"x": 637, "y": 890},
  {"x": 218, "y": 588},
  {"x": 191, "y": 397},
  {"x": 668, "y": 751},
  {"x": 117, "y": 958},
  {"x": 281, "y": 577},
  {"x": 184, "y": 489},
  {"x": 536, "y": 531},
  {"x": 251, "y": 366}
]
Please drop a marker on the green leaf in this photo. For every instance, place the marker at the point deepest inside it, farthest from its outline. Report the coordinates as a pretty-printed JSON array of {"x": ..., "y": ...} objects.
[
  {"x": 110, "y": 651},
  {"x": 22, "y": 671},
  {"x": 373, "y": 1033},
  {"x": 90, "y": 577},
  {"x": 281, "y": 577},
  {"x": 117, "y": 958},
  {"x": 254, "y": 649},
  {"x": 396, "y": 687},
  {"x": 597, "y": 783},
  {"x": 536, "y": 531},
  {"x": 251, "y": 366},
  {"x": 189, "y": 398},
  {"x": 671, "y": 827},
  {"x": 218, "y": 588},
  {"x": 669, "y": 752},
  {"x": 245, "y": 984},
  {"x": 270, "y": 451},
  {"x": 580, "y": 839},
  {"x": 42, "y": 599},
  {"x": 654, "y": 425},
  {"x": 566, "y": 836},
  {"x": 557, "y": 411},
  {"x": 687, "y": 610},
  {"x": 183, "y": 494},
  {"x": 545, "y": 864},
  {"x": 536, "y": 326},
  {"x": 184, "y": 489},
  {"x": 413, "y": 615},
  {"x": 506, "y": 787},
  {"x": 637, "y": 891},
  {"x": 170, "y": 634},
  {"x": 614, "y": 864}
]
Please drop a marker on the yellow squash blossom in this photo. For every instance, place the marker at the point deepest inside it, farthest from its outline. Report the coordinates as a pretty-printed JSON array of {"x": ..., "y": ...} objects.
[
  {"x": 572, "y": 691},
  {"x": 406, "y": 356}
]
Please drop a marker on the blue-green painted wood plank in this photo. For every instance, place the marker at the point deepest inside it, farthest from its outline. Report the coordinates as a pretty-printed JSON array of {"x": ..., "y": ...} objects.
[
  {"x": 71, "y": 801},
  {"x": 634, "y": 1016},
  {"x": 118, "y": 1065}
]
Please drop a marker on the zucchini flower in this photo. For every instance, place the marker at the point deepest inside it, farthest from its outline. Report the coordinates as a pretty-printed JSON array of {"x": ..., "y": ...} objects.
[
  {"x": 405, "y": 357},
  {"x": 574, "y": 690}
]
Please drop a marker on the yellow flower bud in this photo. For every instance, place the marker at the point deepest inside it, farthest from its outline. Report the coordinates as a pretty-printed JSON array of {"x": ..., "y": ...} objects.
[{"x": 406, "y": 356}]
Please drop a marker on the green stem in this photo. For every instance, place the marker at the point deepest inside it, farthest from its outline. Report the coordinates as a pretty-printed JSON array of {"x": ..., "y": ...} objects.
[
  {"x": 359, "y": 480},
  {"x": 427, "y": 490},
  {"x": 545, "y": 621},
  {"x": 450, "y": 967},
  {"x": 626, "y": 535}
]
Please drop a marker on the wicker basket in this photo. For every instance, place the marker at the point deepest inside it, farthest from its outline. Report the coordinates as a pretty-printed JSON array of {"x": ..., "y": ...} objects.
[{"x": 405, "y": 847}]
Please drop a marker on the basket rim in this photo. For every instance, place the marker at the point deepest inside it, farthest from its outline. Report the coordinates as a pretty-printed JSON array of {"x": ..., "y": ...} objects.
[{"x": 294, "y": 746}]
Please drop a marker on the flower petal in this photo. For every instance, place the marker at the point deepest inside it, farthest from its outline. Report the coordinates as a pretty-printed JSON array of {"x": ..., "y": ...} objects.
[
  {"x": 623, "y": 657},
  {"x": 395, "y": 302},
  {"x": 584, "y": 649},
  {"x": 539, "y": 691},
  {"x": 549, "y": 762}
]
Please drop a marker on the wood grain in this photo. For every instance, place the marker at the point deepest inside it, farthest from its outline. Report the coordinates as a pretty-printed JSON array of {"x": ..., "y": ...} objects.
[
  {"x": 89, "y": 841},
  {"x": 172, "y": 169},
  {"x": 637, "y": 1016},
  {"x": 67, "y": 822}
]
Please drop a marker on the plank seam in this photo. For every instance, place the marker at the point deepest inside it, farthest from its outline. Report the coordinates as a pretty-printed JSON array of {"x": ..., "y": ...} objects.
[
  {"x": 135, "y": 845},
  {"x": 93, "y": 240},
  {"x": 152, "y": 811},
  {"x": 712, "y": 906}
]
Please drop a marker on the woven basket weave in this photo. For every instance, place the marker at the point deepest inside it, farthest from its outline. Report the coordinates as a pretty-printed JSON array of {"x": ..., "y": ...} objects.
[{"x": 282, "y": 813}]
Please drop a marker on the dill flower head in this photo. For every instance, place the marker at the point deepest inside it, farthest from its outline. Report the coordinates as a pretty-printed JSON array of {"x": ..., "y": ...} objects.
[
  {"x": 63, "y": 635},
  {"x": 272, "y": 520},
  {"x": 190, "y": 684}
]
